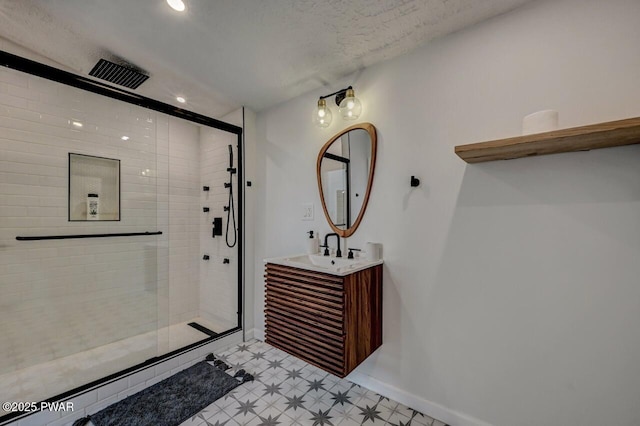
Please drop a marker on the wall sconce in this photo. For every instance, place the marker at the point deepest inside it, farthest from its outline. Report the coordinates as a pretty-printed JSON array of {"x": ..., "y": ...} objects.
[
  {"x": 349, "y": 107},
  {"x": 322, "y": 114}
]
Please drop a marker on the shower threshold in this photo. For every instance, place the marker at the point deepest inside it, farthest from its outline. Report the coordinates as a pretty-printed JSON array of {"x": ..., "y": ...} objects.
[{"x": 76, "y": 371}]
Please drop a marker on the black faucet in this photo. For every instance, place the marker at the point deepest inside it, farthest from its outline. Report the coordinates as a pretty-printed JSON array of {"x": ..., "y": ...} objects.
[{"x": 326, "y": 245}]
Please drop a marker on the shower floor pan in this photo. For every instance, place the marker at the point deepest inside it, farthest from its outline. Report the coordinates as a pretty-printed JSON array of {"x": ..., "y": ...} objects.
[{"x": 72, "y": 371}]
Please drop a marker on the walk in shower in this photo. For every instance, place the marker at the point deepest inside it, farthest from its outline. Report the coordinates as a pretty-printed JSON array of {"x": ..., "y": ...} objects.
[{"x": 115, "y": 217}]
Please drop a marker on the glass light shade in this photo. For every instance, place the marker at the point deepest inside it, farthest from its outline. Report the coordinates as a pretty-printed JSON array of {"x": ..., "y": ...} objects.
[
  {"x": 177, "y": 5},
  {"x": 322, "y": 115},
  {"x": 350, "y": 108}
]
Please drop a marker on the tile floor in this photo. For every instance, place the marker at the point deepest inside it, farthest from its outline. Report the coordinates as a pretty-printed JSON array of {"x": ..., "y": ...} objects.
[{"x": 288, "y": 391}]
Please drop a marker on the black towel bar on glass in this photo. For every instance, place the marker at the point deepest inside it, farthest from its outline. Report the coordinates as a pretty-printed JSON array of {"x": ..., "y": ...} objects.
[{"x": 66, "y": 237}]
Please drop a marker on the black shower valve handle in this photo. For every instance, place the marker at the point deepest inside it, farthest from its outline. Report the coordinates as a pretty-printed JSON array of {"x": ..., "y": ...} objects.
[
  {"x": 225, "y": 208},
  {"x": 217, "y": 227},
  {"x": 227, "y": 184},
  {"x": 351, "y": 250}
]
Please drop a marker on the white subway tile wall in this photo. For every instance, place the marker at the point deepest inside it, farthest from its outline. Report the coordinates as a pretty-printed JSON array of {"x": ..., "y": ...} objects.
[{"x": 218, "y": 301}]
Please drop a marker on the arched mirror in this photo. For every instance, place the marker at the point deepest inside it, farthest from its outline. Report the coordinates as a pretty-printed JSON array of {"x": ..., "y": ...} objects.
[{"x": 345, "y": 168}]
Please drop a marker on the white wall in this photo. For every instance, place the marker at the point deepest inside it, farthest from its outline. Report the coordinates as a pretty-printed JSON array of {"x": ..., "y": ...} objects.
[
  {"x": 251, "y": 250},
  {"x": 510, "y": 288}
]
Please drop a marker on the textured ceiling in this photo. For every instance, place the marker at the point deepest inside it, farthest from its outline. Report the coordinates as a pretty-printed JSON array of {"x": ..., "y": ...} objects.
[{"x": 226, "y": 53}]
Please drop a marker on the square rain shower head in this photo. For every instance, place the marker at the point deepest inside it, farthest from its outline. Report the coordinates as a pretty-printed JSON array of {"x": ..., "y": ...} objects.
[{"x": 118, "y": 74}]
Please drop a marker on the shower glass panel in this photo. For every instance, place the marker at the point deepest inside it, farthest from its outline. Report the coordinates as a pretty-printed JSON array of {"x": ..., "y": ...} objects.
[
  {"x": 70, "y": 307},
  {"x": 133, "y": 284}
]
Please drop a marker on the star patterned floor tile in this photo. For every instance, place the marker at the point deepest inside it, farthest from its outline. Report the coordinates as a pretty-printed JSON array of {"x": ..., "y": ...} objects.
[
  {"x": 348, "y": 422},
  {"x": 221, "y": 419},
  {"x": 368, "y": 414},
  {"x": 226, "y": 406},
  {"x": 316, "y": 385},
  {"x": 343, "y": 413},
  {"x": 339, "y": 397},
  {"x": 298, "y": 418},
  {"x": 321, "y": 417},
  {"x": 419, "y": 419},
  {"x": 341, "y": 386},
  {"x": 289, "y": 392},
  {"x": 392, "y": 415},
  {"x": 242, "y": 392},
  {"x": 331, "y": 380},
  {"x": 317, "y": 402},
  {"x": 296, "y": 387}
]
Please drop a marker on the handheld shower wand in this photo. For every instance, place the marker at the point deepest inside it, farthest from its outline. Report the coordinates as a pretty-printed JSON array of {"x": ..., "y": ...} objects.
[{"x": 230, "y": 208}]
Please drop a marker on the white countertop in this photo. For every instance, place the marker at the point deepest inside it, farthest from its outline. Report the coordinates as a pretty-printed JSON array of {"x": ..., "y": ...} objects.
[{"x": 339, "y": 266}]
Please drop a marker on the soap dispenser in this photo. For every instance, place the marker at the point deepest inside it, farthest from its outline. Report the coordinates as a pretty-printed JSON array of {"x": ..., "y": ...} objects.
[{"x": 313, "y": 243}]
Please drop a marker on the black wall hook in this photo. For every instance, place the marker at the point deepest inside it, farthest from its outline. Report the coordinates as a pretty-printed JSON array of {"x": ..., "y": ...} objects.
[{"x": 415, "y": 181}]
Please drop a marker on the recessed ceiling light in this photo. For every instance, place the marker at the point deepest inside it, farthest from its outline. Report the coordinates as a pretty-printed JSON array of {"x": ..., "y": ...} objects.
[
  {"x": 125, "y": 138},
  {"x": 176, "y": 5},
  {"x": 181, "y": 99},
  {"x": 77, "y": 123}
]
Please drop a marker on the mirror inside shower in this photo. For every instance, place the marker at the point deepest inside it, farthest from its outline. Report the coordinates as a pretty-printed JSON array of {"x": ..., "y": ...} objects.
[{"x": 84, "y": 299}]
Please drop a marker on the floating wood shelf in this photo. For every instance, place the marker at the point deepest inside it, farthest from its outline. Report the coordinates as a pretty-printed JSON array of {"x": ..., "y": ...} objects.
[{"x": 584, "y": 138}]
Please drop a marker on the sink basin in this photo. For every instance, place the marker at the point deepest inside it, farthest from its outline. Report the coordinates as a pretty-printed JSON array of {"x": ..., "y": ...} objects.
[
  {"x": 324, "y": 261},
  {"x": 326, "y": 264}
]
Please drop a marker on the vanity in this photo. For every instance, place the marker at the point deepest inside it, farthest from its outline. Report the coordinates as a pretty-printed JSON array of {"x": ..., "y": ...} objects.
[
  {"x": 327, "y": 309},
  {"x": 332, "y": 320}
]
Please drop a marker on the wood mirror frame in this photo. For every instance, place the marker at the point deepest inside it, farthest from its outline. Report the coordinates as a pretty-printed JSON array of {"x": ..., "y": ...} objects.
[{"x": 371, "y": 130}]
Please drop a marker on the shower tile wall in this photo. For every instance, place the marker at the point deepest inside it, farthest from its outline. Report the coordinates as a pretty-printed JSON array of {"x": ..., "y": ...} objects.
[
  {"x": 63, "y": 296},
  {"x": 184, "y": 216},
  {"x": 218, "y": 292}
]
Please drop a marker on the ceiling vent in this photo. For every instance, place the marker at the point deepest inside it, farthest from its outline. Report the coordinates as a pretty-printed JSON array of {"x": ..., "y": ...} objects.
[{"x": 118, "y": 74}]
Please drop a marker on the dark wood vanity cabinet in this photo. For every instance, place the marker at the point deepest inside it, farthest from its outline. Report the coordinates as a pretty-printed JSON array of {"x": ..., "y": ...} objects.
[{"x": 330, "y": 321}]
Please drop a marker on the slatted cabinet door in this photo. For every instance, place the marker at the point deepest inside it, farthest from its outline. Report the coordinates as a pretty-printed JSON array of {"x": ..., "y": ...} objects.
[{"x": 329, "y": 321}]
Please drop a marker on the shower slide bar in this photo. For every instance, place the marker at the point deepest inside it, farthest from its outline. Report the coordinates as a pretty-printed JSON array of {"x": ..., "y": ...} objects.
[{"x": 66, "y": 237}]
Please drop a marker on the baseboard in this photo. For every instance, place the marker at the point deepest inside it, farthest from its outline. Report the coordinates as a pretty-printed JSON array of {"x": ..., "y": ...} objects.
[
  {"x": 256, "y": 333},
  {"x": 432, "y": 409},
  {"x": 249, "y": 334}
]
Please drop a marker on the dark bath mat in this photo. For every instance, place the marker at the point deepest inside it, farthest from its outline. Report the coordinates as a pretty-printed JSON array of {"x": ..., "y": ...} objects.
[{"x": 171, "y": 401}]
